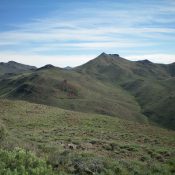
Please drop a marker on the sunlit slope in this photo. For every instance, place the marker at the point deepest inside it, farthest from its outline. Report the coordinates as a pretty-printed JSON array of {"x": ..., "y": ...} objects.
[{"x": 113, "y": 144}]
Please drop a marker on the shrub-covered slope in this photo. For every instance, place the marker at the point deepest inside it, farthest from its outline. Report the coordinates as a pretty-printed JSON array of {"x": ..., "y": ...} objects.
[
  {"x": 81, "y": 143},
  {"x": 69, "y": 89}
]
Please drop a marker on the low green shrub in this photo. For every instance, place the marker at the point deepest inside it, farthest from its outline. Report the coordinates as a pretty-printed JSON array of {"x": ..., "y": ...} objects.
[{"x": 21, "y": 162}]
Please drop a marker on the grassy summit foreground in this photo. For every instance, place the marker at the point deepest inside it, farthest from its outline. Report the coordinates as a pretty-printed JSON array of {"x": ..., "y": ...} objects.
[{"x": 67, "y": 142}]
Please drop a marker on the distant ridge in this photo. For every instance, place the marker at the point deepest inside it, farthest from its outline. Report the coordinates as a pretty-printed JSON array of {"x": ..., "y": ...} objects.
[
  {"x": 47, "y": 66},
  {"x": 68, "y": 68},
  {"x": 14, "y": 67}
]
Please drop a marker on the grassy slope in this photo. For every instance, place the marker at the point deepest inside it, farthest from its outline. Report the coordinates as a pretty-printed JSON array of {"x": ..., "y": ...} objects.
[
  {"x": 157, "y": 99},
  {"x": 151, "y": 84},
  {"x": 91, "y": 95},
  {"x": 51, "y": 131}
]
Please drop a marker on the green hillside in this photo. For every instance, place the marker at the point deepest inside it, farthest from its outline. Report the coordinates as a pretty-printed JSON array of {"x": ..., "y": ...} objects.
[
  {"x": 151, "y": 84},
  {"x": 156, "y": 99},
  {"x": 80, "y": 143},
  {"x": 109, "y": 84},
  {"x": 71, "y": 90}
]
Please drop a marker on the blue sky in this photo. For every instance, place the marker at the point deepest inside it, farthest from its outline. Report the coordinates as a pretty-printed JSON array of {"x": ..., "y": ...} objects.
[{"x": 71, "y": 32}]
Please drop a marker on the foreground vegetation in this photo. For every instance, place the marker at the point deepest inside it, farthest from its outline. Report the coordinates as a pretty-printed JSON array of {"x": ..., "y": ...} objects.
[
  {"x": 38, "y": 139},
  {"x": 22, "y": 162}
]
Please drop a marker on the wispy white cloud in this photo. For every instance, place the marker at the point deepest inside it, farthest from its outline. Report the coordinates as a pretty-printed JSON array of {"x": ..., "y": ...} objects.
[
  {"x": 107, "y": 36},
  {"x": 41, "y": 60},
  {"x": 117, "y": 26}
]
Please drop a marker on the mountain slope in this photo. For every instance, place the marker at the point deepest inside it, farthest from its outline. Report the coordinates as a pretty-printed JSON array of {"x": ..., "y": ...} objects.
[
  {"x": 82, "y": 143},
  {"x": 14, "y": 67},
  {"x": 112, "y": 67},
  {"x": 156, "y": 99},
  {"x": 71, "y": 90},
  {"x": 151, "y": 84},
  {"x": 109, "y": 84}
]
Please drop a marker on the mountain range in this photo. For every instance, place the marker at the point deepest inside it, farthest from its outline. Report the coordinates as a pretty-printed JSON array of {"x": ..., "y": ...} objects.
[
  {"x": 14, "y": 67},
  {"x": 139, "y": 91}
]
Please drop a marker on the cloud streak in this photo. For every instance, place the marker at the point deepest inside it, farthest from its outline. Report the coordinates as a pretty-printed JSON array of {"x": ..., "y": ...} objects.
[
  {"x": 88, "y": 30},
  {"x": 41, "y": 60}
]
